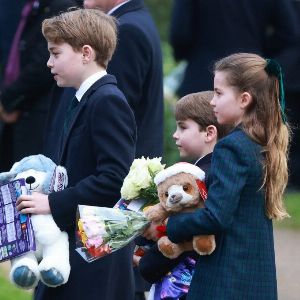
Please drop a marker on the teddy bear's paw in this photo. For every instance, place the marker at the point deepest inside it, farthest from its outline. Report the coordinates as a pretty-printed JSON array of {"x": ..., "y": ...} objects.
[
  {"x": 24, "y": 277},
  {"x": 156, "y": 213},
  {"x": 167, "y": 248},
  {"x": 204, "y": 245},
  {"x": 52, "y": 277}
]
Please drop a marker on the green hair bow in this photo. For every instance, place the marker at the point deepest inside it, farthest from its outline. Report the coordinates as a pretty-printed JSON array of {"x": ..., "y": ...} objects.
[{"x": 274, "y": 68}]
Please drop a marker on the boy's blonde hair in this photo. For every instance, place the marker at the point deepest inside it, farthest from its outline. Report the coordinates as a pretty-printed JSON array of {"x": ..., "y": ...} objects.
[
  {"x": 262, "y": 122},
  {"x": 197, "y": 107},
  {"x": 84, "y": 27}
]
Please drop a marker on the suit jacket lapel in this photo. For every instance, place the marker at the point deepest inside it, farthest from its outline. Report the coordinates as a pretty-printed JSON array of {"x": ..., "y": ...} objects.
[{"x": 107, "y": 79}]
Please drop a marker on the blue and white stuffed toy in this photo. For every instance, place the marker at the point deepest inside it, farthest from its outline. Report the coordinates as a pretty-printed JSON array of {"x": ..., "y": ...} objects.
[{"x": 50, "y": 262}]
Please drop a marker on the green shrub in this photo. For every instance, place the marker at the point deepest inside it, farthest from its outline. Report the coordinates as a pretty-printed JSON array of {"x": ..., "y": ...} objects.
[
  {"x": 292, "y": 202},
  {"x": 10, "y": 292}
]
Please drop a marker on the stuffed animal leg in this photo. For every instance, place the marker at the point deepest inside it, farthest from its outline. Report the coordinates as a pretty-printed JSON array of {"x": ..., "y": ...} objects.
[
  {"x": 202, "y": 244},
  {"x": 54, "y": 266},
  {"x": 24, "y": 271}
]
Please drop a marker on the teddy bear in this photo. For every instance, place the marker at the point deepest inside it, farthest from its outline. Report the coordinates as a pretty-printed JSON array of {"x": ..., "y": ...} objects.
[
  {"x": 50, "y": 262},
  {"x": 180, "y": 188}
]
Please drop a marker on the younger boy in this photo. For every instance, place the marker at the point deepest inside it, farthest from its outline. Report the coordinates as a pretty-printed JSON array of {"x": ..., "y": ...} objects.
[
  {"x": 196, "y": 135},
  {"x": 197, "y": 129},
  {"x": 97, "y": 148}
]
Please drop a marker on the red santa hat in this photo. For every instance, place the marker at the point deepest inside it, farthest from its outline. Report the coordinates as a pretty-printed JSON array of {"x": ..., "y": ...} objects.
[{"x": 181, "y": 167}]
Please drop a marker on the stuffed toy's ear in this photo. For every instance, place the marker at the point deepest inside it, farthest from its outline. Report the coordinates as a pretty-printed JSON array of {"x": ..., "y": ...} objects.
[
  {"x": 5, "y": 177},
  {"x": 59, "y": 179}
]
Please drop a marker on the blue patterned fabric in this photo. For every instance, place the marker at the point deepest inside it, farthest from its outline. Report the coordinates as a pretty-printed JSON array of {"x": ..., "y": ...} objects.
[{"x": 243, "y": 264}]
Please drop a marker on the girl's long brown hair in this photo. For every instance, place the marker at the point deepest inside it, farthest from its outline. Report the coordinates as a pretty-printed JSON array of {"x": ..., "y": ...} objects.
[{"x": 263, "y": 123}]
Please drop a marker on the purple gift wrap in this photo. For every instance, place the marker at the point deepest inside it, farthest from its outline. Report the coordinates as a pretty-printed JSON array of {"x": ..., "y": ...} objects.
[
  {"x": 176, "y": 283},
  {"x": 16, "y": 233}
]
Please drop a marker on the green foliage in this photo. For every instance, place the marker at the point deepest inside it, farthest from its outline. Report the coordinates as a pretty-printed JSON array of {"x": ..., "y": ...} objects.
[
  {"x": 169, "y": 62},
  {"x": 150, "y": 193},
  {"x": 292, "y": 202},
  {"x": 160, "y": 11},
  {"x": 9, "y": 291},
  {"x": 171, "y": 155}
]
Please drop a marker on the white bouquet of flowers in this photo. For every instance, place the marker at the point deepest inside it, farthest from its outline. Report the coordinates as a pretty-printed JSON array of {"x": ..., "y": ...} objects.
[{"x": 139, "y": 189}]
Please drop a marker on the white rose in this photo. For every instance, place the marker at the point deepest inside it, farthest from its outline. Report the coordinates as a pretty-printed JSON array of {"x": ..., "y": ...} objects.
[
  {"x": 129, "y": 189},
  {"x": 142, "y": 178},
  {"x": 155, "y": 165}
]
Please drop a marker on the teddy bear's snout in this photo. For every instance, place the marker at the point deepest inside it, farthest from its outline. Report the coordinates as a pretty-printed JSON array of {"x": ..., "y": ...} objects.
[
  {"x": 30, "y": 180},
  {"x": 174, "y": 198}
]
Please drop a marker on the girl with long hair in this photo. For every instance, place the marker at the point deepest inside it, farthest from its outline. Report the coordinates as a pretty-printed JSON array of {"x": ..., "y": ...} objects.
[{"x": 246, "y": 185}]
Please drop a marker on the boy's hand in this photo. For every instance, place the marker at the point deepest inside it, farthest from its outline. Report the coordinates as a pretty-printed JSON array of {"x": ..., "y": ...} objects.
[
  {"x": 8, "y": 117},
  {"x": 36, "y": 203},
  {"x": 151, "y": 232},
  {"x": 136, "y": 260}
]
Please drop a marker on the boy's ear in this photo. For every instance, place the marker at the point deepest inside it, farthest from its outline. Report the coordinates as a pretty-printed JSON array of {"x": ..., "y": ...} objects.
[
  {"x": 88, "y": 54},
  {"x": 211, "y": 133},
  {"x": 246, "y": 99}
]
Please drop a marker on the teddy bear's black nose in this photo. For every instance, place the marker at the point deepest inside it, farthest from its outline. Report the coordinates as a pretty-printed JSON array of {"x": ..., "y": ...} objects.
[
  {"x": 175, "y": 198},
  {"x": 30, "y": 180}
]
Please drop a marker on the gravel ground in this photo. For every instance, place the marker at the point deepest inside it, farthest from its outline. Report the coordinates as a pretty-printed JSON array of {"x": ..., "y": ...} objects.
[{"x": 287, "y": 249}]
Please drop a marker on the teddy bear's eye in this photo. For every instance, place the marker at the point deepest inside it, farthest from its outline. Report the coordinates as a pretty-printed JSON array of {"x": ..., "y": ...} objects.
[
  {"x": 166, "y": 194},
  {"x": 185, "y": 187}
]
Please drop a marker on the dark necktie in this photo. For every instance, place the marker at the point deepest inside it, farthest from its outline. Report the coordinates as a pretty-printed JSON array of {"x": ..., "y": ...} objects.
[
  {"x": 70, "y": 114},
  {"x": 12, "y": 69}
]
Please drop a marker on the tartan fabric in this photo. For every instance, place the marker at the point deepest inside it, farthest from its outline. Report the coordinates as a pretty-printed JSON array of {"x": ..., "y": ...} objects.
[{"x": 243, "y": 264}]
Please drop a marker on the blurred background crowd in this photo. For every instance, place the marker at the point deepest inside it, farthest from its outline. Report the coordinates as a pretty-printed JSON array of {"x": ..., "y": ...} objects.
[{"x": 193, "y": 35}]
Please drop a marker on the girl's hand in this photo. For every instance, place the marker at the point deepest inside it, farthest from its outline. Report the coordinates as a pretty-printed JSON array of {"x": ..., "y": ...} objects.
[{"x": 36, "y": 203}]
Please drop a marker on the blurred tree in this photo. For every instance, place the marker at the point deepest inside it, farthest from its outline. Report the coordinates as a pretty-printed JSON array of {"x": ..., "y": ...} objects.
[{"x": 160, "y": 11}]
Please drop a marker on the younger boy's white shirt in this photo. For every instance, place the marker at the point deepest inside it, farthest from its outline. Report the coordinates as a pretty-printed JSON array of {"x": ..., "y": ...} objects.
[{"x": 88, "y": 83}]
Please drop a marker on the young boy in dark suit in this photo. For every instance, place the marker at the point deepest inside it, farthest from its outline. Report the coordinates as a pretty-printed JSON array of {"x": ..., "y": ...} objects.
[
  {"x": 196, "y": 136},
  {"x": 97, "y": 148}
]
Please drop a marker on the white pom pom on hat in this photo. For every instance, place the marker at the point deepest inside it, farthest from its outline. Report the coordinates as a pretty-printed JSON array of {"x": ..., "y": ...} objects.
[{"x": 182, "y": 167}]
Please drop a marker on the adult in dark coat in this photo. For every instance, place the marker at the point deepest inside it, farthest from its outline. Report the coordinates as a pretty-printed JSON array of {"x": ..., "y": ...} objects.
[
  {"x": 137, "y": 65},
  {"x": 290, "y": 63},
  {"x": 28, "y": 96},
  {"x": 96, "y": 163},
  {"x": 205, "y": 31},
  {"x": 9, "y": 18}
]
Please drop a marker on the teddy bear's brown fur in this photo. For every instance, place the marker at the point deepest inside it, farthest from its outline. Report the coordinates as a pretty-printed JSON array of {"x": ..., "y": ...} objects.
[{"x": 179, "y": 193}]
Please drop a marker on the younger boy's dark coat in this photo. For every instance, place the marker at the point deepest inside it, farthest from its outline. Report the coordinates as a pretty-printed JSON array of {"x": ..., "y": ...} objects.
[{"x": 154, "y": 265}]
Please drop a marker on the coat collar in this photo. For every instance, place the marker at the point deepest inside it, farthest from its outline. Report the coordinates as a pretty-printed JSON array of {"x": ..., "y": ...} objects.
[
  {"x": 106, "y": 79},
  {"x": 127, "y": 7}
]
